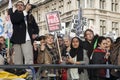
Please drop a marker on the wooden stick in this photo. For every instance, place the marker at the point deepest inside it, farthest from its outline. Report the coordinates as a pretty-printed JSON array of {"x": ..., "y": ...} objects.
[{"x": 58, "y": 48}]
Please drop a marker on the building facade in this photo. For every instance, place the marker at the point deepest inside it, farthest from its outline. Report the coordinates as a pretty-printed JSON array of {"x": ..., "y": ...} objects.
[{"x": 103, "y": 16}]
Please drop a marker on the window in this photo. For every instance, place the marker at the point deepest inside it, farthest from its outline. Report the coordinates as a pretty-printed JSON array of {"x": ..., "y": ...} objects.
[
  {"x": 102, "y": 4},
  {"x": 91, "y": 23},
  {"x": 83, "y": 3},
  {"x": 115, "y": 27},
  {"x": 114, "y": 5},
  {"x": 90, "y": 3},
  {"x": 102, "y": 27},
  {"x": 67, "y": 24}
]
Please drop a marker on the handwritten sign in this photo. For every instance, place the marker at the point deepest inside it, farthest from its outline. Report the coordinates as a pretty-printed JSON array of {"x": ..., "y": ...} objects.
[{"x": 53, "y": 21}]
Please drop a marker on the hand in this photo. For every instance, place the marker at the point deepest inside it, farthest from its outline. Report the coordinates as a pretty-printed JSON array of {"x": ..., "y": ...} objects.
[
  {"x": 68, "y": 49},
  {"x": 34, "y": 36},
  {"x": 35, "y": 45},
  {"x": 28, "y": 7},
  {"x": 107, "y": 55},
  {"x": 42, "y": 48},
  {"x": 70, "y": 60}
]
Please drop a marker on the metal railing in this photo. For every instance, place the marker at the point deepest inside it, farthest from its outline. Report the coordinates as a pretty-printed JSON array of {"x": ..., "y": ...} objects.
[{"x": 36, "y": 76}]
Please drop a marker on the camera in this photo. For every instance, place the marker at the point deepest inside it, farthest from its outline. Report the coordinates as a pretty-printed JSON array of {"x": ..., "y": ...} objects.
[
  {"x": 33, "y": 6},
  {"x": 37, "y": 42}
]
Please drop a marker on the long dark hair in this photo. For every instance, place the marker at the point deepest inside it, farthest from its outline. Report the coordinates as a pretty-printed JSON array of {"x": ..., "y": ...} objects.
[{"x": 77, "y": 51}]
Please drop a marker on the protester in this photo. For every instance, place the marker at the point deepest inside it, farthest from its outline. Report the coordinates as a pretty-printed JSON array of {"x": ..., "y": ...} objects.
[
  {"x": 49, "y": 51},
  {"x": 61, "y": 43},
  {"x": 89, "y": 45},
  {"x": 89, "y": 42},
  {"x": 100, "y": 56},
  {"x": 77, "y": 55},
  {"x": 117, "y": 40},
  {"x": 108, "y": 49},
  {"x": 36, "y": 44},
  {"x": 67, "y": 41},
  {"x": 48, "y": 54},
  {"x": 66, "y": 49},
  {"x": 115, "y": 57},
  {"x": 109, "y": 43},
  {"x": 3, "y": 51},
  {"x": 25, "y": 30}
]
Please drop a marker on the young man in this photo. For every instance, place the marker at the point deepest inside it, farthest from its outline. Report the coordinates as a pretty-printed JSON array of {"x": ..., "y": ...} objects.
[
  {"x": 88, "y": 45},
  {"x": 89, "y": 42},
  {"x": 25, "y": 30}
]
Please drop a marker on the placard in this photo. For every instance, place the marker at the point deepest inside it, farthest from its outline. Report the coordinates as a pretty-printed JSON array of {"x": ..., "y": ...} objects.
[{"x": 53, "y": 21}]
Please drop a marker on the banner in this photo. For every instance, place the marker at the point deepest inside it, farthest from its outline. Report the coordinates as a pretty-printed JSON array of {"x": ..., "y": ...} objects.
[{"x": 53, "y": 21}]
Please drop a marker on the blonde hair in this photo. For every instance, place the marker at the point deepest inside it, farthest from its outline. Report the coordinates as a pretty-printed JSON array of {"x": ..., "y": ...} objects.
[{"x": 48, "y": 35}]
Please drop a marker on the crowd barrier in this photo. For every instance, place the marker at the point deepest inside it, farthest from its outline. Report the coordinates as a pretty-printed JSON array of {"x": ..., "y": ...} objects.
[{"x": 36, "y": 75}]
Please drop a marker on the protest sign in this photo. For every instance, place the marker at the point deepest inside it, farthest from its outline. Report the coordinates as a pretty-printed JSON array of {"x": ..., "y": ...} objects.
[{"x": 53, "y": 21}]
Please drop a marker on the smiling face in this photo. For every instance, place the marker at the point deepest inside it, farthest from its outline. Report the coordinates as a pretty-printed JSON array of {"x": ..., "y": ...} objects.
[
  {"x": 75, "y": 43},
  {"x": 49, "y": 39}
]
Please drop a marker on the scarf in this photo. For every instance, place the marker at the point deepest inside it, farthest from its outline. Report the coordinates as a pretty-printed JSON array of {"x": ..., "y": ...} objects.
[{"x": 78, "y": 52}]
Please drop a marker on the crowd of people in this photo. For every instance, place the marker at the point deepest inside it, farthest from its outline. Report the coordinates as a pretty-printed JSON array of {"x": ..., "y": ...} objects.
[
  {"x": 28, "y": 48},
  {"x": 93, "y": 50}
]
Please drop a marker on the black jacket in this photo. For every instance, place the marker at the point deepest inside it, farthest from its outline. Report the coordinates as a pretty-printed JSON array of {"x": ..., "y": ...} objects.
[
  {"x": 89, "y": 46},
  {"x": 19, "y": 26},
  {"x": 99, "y": 58}
]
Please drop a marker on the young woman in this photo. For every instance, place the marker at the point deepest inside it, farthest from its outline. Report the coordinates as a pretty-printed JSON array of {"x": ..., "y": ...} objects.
[
  {"x": 108, "y": 49},
  {"x": 109, "y": 43},
  {"x": 48, "y": 53},
  {"x": 115, "y": 58},
  {"x": 77, "y": 56},
  {"x": 100, "y": 56}
]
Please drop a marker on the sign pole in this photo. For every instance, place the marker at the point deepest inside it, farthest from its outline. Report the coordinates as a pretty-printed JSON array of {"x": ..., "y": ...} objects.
[
  {"x": 54, "y": 25},
  {"x": 58, "y": 46}
]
